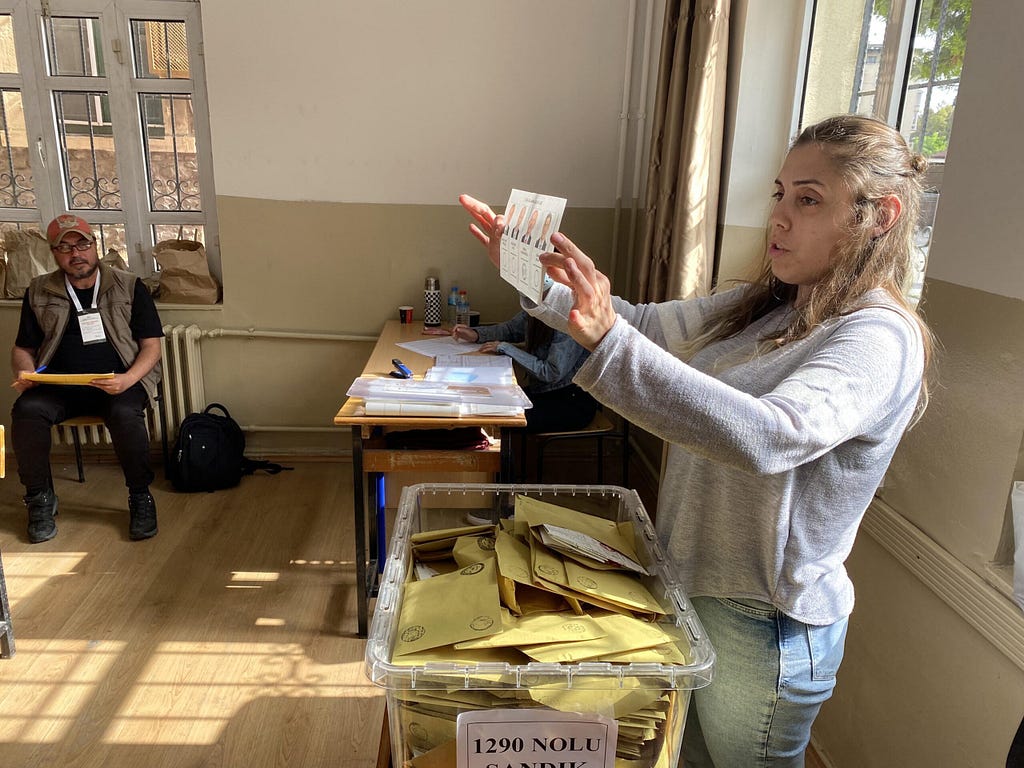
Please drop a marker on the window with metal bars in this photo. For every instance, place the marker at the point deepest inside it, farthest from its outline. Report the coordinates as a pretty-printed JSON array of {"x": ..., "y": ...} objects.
[{"x": 103, "y": 113}]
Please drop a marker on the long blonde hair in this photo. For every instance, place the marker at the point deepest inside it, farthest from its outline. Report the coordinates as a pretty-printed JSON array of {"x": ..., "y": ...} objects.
[{"x": 874, "y": 161}]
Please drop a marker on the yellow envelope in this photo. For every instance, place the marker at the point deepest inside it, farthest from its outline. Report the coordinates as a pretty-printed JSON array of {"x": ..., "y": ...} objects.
[
  {"x": 535, "y": 512},
  {"x": 513, "y": 558},
  {"x": 449, "y": 533},
  {"x": 441, "y": 756},
  {"x": 538, "y": 628},
  {"x": 515, "y": 583},
  {"x": 473, "y": 549},
  {"x": 446, "y": 609},
  {"x": 64, "y": 378},
  {"x": 424, "y": 730},
  {"x": 612, "y": 586},
  {"x": 624, "y": 633}
]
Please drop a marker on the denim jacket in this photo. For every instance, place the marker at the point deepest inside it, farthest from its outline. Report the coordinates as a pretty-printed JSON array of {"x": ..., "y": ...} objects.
[{"x": 550, "y": 367}]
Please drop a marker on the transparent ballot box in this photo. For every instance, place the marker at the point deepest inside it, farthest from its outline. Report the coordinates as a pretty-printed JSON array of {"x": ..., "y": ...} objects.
[{"x": 586, "y": 621}]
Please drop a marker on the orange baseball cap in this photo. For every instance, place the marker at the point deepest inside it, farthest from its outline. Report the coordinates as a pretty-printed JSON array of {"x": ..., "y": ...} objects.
[{"x": 65, "y": 223}]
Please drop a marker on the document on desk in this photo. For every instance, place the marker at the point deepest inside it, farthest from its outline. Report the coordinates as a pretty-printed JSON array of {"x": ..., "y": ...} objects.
[
  {"x": 439, "y": 346},
  {"x": 530, "y": 220},
  {"x": 467, "y": 371},
  {"x": 438, "y": 410},
  {"x": 382, "y": 389}
]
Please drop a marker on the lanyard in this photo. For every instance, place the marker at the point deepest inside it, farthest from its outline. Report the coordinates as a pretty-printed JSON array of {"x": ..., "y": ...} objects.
[
  {"x": 74, "y": 295},
  {"x": 89, "y": 321}
]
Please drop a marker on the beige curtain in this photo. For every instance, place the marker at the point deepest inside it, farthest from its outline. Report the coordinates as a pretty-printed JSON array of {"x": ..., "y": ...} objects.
[{"x": 676, "y": 254}]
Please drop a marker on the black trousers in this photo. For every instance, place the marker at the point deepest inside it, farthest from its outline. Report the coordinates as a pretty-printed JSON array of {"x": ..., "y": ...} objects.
[
  {"x": 38, "y": 409},
  {"x": 560, "y": 410}
]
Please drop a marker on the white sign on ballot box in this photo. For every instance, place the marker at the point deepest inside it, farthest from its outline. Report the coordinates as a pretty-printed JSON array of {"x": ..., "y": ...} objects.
[{"x": 512, "y": 738}]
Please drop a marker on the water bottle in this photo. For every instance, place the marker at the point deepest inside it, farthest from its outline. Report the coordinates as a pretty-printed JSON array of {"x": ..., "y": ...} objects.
[
  {"x": 462, "y": 309},
  {"x": 431, "y": 303},
  {"x": 453, "y": 301}
]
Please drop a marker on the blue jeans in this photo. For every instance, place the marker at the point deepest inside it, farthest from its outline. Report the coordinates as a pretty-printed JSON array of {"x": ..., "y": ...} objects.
[{"x": 772, "y": 674}]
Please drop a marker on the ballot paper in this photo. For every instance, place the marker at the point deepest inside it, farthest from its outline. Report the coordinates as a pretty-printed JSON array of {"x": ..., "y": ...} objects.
[
  {"x": 573, "y": 543},
  {"x": 530, "y": 220}
]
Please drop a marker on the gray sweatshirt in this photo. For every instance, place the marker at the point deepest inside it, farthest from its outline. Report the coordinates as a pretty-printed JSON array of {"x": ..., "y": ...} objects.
[{"x": 772, "y": 460}]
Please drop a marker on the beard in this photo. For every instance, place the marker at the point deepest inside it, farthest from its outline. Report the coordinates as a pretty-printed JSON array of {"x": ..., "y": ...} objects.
[{"x": 80, "y": 270}]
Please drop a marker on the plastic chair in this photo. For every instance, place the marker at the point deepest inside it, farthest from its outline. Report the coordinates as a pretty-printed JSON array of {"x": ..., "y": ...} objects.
[{"x": 600, "y": 429}]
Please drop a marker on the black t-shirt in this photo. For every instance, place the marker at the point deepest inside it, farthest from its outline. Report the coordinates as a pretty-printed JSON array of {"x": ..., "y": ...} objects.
[{"x": 71, "y": 355}]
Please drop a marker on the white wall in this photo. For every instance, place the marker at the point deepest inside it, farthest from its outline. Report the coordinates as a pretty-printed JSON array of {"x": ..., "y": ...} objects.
[
  {"x": 414, "y": 102},
  {"x": 979, "y": 229}
]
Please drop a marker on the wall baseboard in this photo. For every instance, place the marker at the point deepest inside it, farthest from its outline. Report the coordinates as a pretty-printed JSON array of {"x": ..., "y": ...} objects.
[{"x": 980, "y": 604}]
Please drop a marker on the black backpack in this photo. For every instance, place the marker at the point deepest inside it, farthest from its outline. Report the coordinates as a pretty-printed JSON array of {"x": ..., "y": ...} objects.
[{"x": 209, "y": 453}]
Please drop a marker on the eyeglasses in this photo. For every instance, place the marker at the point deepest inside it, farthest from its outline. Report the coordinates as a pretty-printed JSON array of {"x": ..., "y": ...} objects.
[{"x": 81, "y": 245}]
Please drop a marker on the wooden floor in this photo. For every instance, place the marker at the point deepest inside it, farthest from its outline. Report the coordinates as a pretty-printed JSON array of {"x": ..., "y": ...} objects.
[{"x": 227, "y": 640}]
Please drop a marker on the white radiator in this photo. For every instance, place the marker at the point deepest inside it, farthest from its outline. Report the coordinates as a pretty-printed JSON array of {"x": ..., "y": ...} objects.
[{"x": 183, "y": 391}]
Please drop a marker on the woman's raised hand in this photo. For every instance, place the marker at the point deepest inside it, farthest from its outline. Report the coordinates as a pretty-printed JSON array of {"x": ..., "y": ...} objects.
[
  {"x": 486, "y": 226},
  {"x": 592, "y": 315}
]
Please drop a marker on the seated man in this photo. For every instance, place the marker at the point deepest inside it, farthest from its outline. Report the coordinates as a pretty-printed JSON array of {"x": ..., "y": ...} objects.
[{"x": 85, "y": 317}]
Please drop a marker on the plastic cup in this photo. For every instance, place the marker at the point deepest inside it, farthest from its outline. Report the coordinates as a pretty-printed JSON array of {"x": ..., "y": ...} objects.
[{"x": 405, "y": 314}]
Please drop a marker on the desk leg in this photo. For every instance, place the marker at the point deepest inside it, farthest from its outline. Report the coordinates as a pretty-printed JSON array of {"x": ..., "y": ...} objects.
[
  {"x": 359, "y": 512},
  {"x": 505, "y": 472}
]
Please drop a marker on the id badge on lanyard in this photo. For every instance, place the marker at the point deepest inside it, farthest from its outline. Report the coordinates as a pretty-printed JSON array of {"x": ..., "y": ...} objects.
[{"x": 89, "y": 321}]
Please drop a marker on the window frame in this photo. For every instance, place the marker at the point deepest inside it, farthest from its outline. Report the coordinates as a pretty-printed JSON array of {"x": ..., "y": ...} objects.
[{"x": 124, "y": 90}]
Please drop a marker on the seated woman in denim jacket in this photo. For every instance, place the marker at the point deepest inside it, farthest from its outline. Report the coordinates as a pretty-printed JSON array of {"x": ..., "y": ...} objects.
[{"x": 546, "y": 360}]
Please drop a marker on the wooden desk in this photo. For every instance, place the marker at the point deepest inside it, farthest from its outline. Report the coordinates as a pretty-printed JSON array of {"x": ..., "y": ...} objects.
[{"x": 370, "y": 453}]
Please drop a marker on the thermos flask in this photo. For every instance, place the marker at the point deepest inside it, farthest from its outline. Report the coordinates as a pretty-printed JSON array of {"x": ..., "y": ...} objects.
[{"x": 431, "y": 302}]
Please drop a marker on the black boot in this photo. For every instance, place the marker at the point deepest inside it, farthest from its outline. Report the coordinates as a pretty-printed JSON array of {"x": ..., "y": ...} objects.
[
  {"x": 42, "y": 508},
  {"x": 142, "y": 513}
]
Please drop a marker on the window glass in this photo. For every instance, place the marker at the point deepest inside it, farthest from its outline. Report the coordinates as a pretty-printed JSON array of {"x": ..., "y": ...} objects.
[
  {"x": 17, "y": 187},
  {"x": 111, "y": 236},
  {"x": 160, "y": 49},
  {"x": 74, "y": 46},
  {"x": 123, "y": 146},
  {"x": 898, "y": 70},
  {"x": 88, "y": 153},
  {"x": 8, "y": 59},
  {"x": 179, "y": 232},
  {"x": 170, "y": 139},
  {"x": 844, "y": 68},
  {"x": 939, "y": 44}
]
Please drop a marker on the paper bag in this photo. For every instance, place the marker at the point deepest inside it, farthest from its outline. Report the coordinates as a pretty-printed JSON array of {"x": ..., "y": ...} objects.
[
  {"x": 184, "y": 274},
  {"x": 28, "y": 256},
  {"x": 113, "y": 258}
]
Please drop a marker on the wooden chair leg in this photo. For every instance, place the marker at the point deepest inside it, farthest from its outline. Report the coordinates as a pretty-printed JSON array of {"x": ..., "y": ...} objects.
[{"x": 78, "y": 453}]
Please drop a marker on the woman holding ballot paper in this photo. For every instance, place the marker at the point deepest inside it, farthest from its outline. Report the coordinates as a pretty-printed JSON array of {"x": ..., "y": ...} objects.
[{"x": 781, "y": 402}]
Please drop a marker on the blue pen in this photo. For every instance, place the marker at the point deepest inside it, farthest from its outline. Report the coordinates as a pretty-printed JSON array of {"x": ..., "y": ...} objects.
[{"x": 40, "y": 369}]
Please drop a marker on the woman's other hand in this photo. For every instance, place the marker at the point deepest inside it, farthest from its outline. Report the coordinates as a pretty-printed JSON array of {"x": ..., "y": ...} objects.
[
  {"x": 592, "y": 315},
  {"x": 486, "y": 226},
  {"x": 465, "y": 333},
  {"x": 490, "y": 347}
]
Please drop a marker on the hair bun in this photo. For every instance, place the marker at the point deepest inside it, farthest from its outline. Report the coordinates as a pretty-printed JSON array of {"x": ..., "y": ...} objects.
[{"x": 919, "y": 164}]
